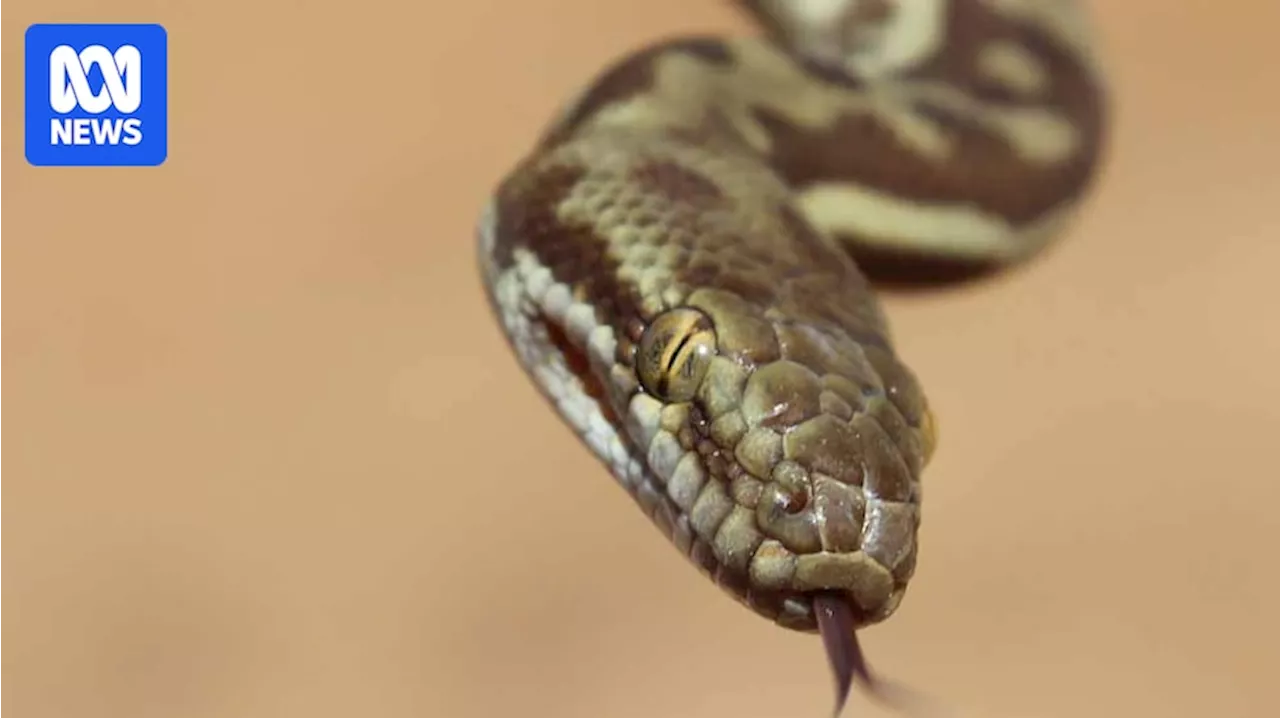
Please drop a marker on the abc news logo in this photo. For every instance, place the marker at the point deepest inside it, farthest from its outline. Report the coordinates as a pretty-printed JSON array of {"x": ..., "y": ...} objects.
[
  {"x": 97, "y": 94},
  {"x": 69, "y": 89}
]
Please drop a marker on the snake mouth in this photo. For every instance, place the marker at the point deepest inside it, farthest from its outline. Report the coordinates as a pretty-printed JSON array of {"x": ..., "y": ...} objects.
[{"x": 578, "y": 365}]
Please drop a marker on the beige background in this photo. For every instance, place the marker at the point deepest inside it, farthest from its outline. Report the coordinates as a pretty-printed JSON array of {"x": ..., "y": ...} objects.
[{"x": 267, "y": 454}]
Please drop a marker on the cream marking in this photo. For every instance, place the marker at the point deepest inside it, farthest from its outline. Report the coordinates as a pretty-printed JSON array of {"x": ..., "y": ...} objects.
[
  {"x": 1038, "y": 135},
  {"x": 644, "y": 413},
  {"x": 809, "y": 25},
  {"x": 1024, "y": 128},
  {"x": 880, "y": 219},
  {"x": 1013, "y": 66},
  {"x": 602, "y": 346},
  {"x": 913, "y": 32},
  {"x": 537, "y": 282},
  {"x": 579, "y": 321},
  {"x": 664, "y": 455},
  {"x": 1064, "y": 20},
  {"x": 686, "y": 482},
  {"x": 554, "y": 300}
]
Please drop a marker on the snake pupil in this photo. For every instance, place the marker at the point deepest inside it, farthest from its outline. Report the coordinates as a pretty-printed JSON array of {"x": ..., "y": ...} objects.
[{"x": 677, "y": 353}]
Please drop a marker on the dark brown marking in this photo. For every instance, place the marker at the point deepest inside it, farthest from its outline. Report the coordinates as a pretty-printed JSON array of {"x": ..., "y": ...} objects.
[
  {"x": 677, "y": 184},
  {"x": 713, "y": 129},
  {"x": 631, "y": 76},
  {"x": 575, "y": 254},
  {"x": 903, "y": 270}
]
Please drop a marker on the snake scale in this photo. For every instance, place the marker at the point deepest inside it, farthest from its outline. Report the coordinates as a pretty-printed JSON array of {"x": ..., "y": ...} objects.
[{"x": 684, "y": 264}]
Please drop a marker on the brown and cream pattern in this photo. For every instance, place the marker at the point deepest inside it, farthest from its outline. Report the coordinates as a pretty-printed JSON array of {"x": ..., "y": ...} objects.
[{"x": 681, "y": 265}]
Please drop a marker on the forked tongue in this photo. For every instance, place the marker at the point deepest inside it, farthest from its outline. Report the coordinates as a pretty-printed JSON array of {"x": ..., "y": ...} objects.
[{"x": 836, "y": 624}]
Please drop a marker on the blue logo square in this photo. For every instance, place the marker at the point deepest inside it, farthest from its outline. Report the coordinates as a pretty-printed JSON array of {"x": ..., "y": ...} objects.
[{"x": 97, "y": 95}]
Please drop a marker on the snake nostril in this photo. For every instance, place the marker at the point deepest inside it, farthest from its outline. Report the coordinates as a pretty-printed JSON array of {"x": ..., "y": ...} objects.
[
  {"x": 792, "y": 486},
  {"x": 785, "y": 510},
  {"x": 794, "y": 500}
]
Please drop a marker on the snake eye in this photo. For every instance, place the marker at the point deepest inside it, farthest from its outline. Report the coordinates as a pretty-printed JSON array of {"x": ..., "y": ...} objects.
[{"x": 674, "y": 353}]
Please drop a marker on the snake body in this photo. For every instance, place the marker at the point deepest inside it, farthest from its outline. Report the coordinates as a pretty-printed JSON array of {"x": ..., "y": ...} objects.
[{"x": 682, "y": 265}]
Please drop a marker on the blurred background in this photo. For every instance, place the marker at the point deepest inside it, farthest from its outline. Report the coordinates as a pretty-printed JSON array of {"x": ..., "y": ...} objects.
[{"x": 268, "y": 454}]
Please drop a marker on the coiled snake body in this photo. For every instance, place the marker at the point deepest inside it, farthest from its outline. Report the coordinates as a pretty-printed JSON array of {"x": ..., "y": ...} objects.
[{"x": 681, "y": 265}]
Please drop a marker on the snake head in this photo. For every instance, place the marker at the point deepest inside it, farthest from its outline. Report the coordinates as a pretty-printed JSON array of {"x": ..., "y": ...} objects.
[
  {"x": 749, "y": 400},
  {"x": 791, "y": 451},
  {"x": 794, "y": 452}
]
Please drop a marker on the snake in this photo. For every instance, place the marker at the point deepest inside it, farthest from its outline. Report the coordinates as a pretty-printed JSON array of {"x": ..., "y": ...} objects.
[{"x": 689, "y": 259}]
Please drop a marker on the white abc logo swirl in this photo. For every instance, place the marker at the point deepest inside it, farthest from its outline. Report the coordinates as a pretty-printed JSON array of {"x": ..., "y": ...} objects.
[{"x": 69, "y": 79}]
